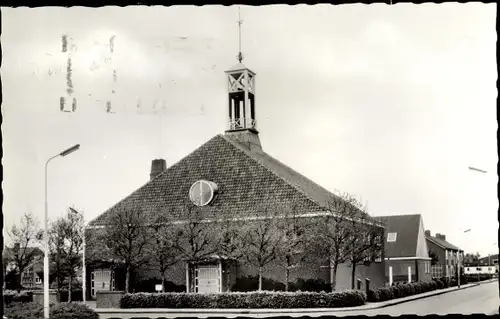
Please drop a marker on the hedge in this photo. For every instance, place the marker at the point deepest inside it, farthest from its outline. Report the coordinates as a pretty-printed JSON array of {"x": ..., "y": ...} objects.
[
  {"x": 76, "y": 295},
  {"x": 12, "y": 296},
  {"x": 401, "y": 290},
  {"x": 244, "y": 300},
  {"x": 475, "y": 278},
  {"x": 32, "y": 310},
  {"x": 251, "y": 283}
]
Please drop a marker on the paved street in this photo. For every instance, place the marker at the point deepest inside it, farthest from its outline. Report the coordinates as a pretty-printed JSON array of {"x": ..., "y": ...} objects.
[{"x": 480, "y": 299}]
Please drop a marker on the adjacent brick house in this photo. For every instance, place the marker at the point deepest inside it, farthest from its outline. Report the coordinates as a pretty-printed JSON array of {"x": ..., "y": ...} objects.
[
  {"x": 229, "y": 173},
  {"x": 406, "y": 248},
  {"x": 448, "y": 255},
  {"x": 30, "y": 276}
]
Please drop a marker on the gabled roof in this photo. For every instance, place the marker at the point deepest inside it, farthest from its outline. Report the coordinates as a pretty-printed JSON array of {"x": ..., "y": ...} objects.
[
  {"x": 239, "y": 67},
  {"x": 248, "y": 183},
  {"x": 442, "y": 243},
  {"x": 407, "y": 228},
  {"x": 35, "y": 250},
  {"x": 488, "y": 259}
]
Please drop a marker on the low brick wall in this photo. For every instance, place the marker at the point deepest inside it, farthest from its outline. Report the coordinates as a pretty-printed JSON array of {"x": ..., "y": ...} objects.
[
  {"x": 108, "y": 299},
  {"x": 38, "y": 297}
]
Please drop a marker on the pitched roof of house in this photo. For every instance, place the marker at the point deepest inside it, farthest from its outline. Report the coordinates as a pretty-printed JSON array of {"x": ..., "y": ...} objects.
[
  {"x": 442, "y": 243},
  {"x": 29, "y": 250},
  {"x": 247, "y": 182},
  {"x": 407, "y": 228},
  {"x": 487, "y": 259}
]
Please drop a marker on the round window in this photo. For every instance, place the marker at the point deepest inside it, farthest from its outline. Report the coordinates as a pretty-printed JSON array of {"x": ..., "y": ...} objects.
[{"x": 202, "y": 192}]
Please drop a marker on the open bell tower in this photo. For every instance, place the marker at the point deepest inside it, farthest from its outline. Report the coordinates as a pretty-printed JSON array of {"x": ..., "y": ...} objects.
[{"x": 241, "y": 103}]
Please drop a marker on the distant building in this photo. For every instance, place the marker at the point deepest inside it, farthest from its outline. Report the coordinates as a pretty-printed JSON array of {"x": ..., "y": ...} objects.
[
  {"x": 480, "y": 270},
  {"x": 31, "y": 276},
  {"x": 406, "y": 248},
  {"x": 447, "y": 253}
]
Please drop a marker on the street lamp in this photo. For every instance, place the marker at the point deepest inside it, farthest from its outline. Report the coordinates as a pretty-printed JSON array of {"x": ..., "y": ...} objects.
[{"x": 46, "y": 236}]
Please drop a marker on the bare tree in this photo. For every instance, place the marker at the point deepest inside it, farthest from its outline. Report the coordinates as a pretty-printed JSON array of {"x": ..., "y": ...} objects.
[
  {"x": 24, "y": 238},
  {"x": 294, "y": 239},
  {"x": 164, "y": 248},
  {"x": 229, "y": 240},
  {"x": 334, "y": 232},
  {"x": 57, "y": 233},
  {"x": 196, "y": 235},
  {"x": 73, "y": 233},
  {"x": 126, "y": 236},
  {"x": 364, "y": 242},
  {"x": 263, "y": 241}
]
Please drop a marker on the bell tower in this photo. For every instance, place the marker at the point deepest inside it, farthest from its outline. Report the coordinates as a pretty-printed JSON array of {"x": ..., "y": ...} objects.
[{"x": 241, "y": 106}]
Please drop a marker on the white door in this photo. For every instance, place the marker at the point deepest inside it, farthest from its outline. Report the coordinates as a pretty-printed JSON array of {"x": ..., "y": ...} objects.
[
  {"x": 100, "y": 280},
  {"x": 208, "y": 279}
]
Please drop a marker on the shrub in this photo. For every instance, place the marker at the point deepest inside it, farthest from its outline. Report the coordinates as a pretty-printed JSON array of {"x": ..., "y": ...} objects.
[
  {"x": 251, "y": 283},
  {"x": 12, "y": 296},
  {"x": 317, "y": 285},
  {"x": 76, "y": 295},
  {"x": 400, "y": 290},
  {"x": 24, "y": 310},
  {"x": 244, "y": 300},
  {"x": 373, "y": 295},
  {"x": 33, "y": 310},
  {"x": 148, "y": 285},
  {"x": 72, "y": 311}
]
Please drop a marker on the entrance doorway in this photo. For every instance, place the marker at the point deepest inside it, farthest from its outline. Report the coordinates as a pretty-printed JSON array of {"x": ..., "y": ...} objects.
[
  {"x": 101, "y": 280},
  {"x": 207, "y": 279}
]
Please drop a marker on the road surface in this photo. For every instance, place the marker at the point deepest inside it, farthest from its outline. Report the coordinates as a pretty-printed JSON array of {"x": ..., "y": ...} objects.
[{"x": 479, "y": 299}]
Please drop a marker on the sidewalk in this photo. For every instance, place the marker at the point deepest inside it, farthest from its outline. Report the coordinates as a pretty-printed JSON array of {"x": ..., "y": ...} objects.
[{"x": 145, "y": 312}]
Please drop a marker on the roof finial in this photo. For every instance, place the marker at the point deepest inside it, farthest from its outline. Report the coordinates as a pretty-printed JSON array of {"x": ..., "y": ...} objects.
[{"x": 240, "y": 22}]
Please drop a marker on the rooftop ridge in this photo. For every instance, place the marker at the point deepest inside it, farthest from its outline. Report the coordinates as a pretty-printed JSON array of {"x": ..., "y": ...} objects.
[{"x": 249, "y": 154}]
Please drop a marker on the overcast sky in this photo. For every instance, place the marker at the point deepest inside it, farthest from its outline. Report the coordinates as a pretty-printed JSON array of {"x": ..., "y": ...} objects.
[{"x": 389, "y": 103}]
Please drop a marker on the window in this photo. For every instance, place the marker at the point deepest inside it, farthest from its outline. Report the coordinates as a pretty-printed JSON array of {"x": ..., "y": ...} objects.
[
  {"x": 202, "y": 192},
  {"x": 38, "y": 280},
  {"x": 495, "y": 261},
  {"x": 391, "y": 237}
]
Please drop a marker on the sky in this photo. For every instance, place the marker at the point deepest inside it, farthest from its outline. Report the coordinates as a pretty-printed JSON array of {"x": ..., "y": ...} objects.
[{"x": 391, "y": 103}]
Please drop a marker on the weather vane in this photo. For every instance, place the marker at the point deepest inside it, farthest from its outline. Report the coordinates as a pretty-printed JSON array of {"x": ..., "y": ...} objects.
[{"x": 240, "y": 22}]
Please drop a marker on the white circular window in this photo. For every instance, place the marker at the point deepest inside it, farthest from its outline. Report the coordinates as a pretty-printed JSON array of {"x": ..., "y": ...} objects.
[{"x": 202, "y": 192}]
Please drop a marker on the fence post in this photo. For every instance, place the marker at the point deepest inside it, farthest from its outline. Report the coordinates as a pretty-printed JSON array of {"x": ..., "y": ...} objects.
[{"x": 409, "y": 274}]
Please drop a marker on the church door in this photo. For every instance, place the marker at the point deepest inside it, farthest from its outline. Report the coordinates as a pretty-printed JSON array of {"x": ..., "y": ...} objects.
[
  {"x": 100, "y": 281},
  {"x": 207, "y": 279}
]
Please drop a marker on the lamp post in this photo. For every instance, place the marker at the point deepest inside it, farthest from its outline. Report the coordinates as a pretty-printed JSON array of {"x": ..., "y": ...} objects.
[{"x": 46, "y": 236}]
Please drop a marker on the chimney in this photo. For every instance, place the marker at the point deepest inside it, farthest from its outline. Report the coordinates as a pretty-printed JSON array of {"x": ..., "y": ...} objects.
[
  {"x": 158, "y": 166},
  {"x": 428, "y": 233},
  {"x": 440, "y": 236}
]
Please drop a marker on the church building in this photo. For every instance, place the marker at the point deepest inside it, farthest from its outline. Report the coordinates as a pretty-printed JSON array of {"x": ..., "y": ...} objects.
[{"x": 230, "y": 173}]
